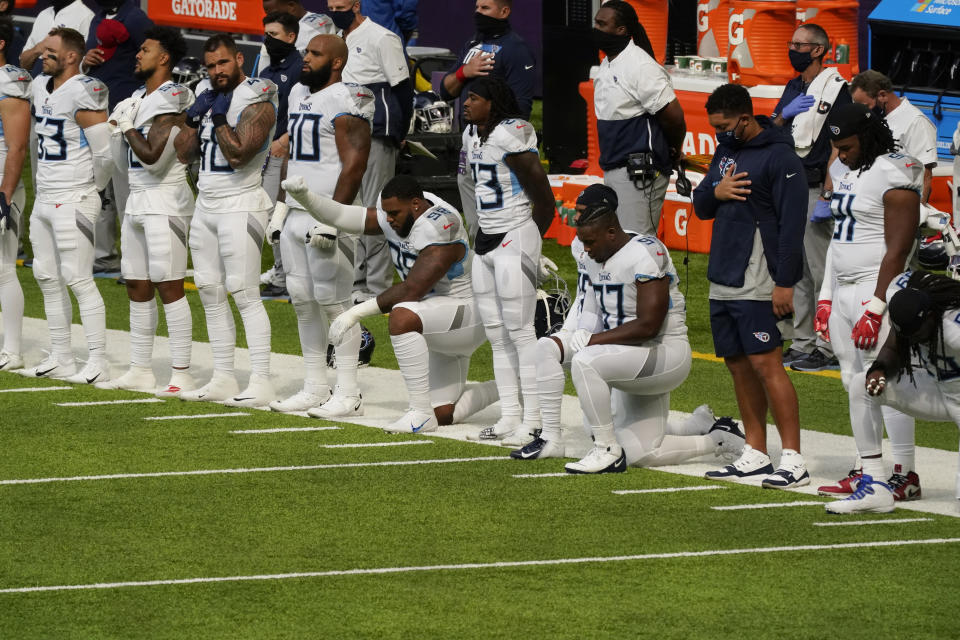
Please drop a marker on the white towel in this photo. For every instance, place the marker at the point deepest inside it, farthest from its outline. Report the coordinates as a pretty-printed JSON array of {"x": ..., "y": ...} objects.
[{"x": 807, "y": 125}]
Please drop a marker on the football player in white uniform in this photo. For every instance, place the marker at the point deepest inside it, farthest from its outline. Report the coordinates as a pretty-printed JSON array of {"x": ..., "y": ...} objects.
[
  {"x": 514, "y": 207},
  {"x": 154, "y": 233},
  {"x": 229, "y": 129},
  {"x": 434, "y": 323},
  {"x": 15, "y": 122},
  {"x": 329, "y": 138},
  {"x": 74, "y": 163},
  {"x": 876, "y": 203}
]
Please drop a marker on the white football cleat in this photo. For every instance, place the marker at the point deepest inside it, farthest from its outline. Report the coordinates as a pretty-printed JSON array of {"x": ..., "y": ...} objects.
[
  {"x": 97, "y": 370},
  {"x": 521, "y": 435},
  {"x": 869, "y": 497},
  {"x": 222, "y": 386},
  {"x": 600, "y": 459},
  {"x": 181, "y": 380},
  {"x": 10, "y": 361},
  {"x": 135, "y": 379},
  {"x": 259, "y": 393},
  {"x": 50, "y": 368},
  {"x": 502, "y": 428},
  {"x": 338, "y": 406},
  {"x": 414, "y": 422},
  {"x": 302, "y": 400}
]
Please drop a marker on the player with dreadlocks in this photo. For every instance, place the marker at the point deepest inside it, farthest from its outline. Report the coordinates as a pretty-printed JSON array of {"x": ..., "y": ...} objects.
[
  {"x": 926, "y": 330},
  {"x": 514, "y": 208},
  {"x": 876, "y": 207}
]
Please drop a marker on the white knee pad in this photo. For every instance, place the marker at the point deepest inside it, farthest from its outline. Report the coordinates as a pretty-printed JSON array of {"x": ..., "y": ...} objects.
[
  {"x": 246, "y": 297},
  {"x": 299, "y": 288},
  {"x": 523, "y": 335},
  {"x": 548, "y": 349},
  {"x": 212, "y": 294}
]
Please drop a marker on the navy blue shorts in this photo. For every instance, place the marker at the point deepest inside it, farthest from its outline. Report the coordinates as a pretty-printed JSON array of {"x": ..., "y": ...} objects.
[{"x": 743, "y": 327}]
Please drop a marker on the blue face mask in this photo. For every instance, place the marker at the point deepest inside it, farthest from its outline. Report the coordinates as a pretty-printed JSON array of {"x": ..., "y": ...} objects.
[{"x": 729, "y": 138}]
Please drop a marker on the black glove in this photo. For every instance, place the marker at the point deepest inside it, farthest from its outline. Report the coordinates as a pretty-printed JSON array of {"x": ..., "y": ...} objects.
[{"x": 6, "y": 221}]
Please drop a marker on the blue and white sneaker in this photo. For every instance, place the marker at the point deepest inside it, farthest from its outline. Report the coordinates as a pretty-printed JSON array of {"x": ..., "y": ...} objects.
[
  {"x": 751, "y": 463},
  {"x": 538, "y": 448},
  {"x": 792, "y": 472},
  {"x": 414, "y": 422},
  {"x": 870, "y": 497}
]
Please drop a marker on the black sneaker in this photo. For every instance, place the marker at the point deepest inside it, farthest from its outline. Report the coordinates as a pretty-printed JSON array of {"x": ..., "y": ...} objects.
[
  {"x": 271, "y": 291},
  {"x": 791, "y": 355},
  {"x": 538, "y": 448},
  {"x": 816, "y": 360}
]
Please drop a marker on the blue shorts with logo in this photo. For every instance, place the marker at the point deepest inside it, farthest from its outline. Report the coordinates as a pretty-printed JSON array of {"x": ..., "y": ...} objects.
[{"x": 743, "y": 327}]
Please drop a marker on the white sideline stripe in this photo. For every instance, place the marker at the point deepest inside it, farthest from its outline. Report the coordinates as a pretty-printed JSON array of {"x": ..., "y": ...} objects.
[
  {"x": 769, "y": 505},
  {"x": 545, "y": 475},
  {"x": 287, "y": 430},
  {"x": 359, "y": 445},
  {"x": 26, "y": 389},
  {"x": 481, "y": 565},
  {"x": 859, "y": 522},
  {"x": 100, "y": 402},
  {"x": 198, "y": 416},
  {"x": 704, "y": 487},
  {"x": 210, "y": 472}
]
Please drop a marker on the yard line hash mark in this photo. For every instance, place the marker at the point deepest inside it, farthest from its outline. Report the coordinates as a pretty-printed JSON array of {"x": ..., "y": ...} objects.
[
  {"x": 198, "y": 416},
  {"x": 29, "y": 389},
  {"x": 95, "y": 403},
  {"x": 768, "y": 505},
  {"x": 704, "y": 487},
  {"x": 862, "y": 522},
  {"x": 481, "y": 565},
  {"x": 545, "y": 475},
  {"x": 287, "y": 430},
  {"x": 374, "y": 444}
]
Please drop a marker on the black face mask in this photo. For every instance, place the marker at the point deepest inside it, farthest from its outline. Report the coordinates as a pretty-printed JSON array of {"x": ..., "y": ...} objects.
[
  {"x": 879, "y": 111},
  {"x": 277, "y": 49},
  {"x": 58, "y": 5},
  {"x": 109, "y": 6},
  {"x": 489, "y": 26},
  {"x": 316, "y": 80},
  {"x": 610, "y": 43},
  {"x": 800, "y": 60},
  {"x": 343, "y": 19}
]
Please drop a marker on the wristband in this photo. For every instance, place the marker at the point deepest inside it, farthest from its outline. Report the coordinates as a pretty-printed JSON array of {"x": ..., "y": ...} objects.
[
  {"x": 193, "y": 123},
  {"x": 877, "y": 306},
  {"x": 219, "y": 119},
  {"x": 461, "y": 76}
]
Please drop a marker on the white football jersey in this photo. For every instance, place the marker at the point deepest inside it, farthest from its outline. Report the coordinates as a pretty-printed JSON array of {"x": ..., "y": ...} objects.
[
  {"x": 312, "y": 128},
  {"x": 170, "y": 193},
  {"x": 312, "y": 25},
  {"x": 642, "y": 259},
  {"x": 949, "y": 365},
  {"x": 858, "y": 244},
  {"x": 502, "y": 204},
  {"x": 14, "y": 83},
  {"x": 576, "y": 319},
  {"x": 64, "y": 159},
  {"x": 217, "y": 178},
  {"x": 440, "y": 224}
]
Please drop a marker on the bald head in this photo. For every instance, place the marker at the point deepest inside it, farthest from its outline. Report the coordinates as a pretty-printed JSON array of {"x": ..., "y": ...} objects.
[{"x": 323, "y": 62}]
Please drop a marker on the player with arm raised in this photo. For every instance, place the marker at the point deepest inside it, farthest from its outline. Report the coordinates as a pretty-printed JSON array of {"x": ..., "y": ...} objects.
[
  {"x": 229, "y": 129},
  {"x": 514, "y": 208},
  {"x": 73, "y": 163},
  {"x": 153, "y": 237},
  {"x": 434, "y": 323},
  {"x": 15, "y": 122},
  {"x": 329, "y": 140}
]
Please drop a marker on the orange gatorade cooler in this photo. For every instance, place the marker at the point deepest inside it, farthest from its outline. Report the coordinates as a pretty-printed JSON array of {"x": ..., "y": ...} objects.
[
  {"x": 839, "y": 20},
  {"x": 712, "y": 19},
  {"x": 653, "y": 16},
  {"x": 759, "y": 33}
]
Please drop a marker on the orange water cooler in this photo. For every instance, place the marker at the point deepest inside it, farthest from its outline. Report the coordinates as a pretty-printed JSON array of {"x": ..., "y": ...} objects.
[
  {"x": 712, "y": 19},
  {"x": 839, "y": 20},
  {"x": 653, "y": 16},
  {"x": 758, "y": 33}
]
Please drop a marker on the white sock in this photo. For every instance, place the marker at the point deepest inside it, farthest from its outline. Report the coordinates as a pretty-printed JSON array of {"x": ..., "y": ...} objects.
[
  {"x": 474, "y": 398},
  {"x": 505, "y": 372},
  {"x": 312, "y": 326},
  {"x": 874, "y": 467},
  {"x": 413, "y": 357},
  {"x": 525, "y": 342},
  {"x": 900, "y": 430},
  {"x": 93, "y": 315},
  {"x": 11, "y": 305},
  {"x": 347, "y": 352},
  {"x": 221, "y": 330},
  {"x": 603, "y": 436},
  {"x": 180, "y": 330},
  {"x": 256, "y": 326},
  {"x": 550, "y": 383},
  {"x": 56, "y": 306},
  {"x": 143, "y": 326}
]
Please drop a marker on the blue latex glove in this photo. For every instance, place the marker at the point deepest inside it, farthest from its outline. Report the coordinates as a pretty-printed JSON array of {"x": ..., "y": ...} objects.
[
  {"x": 798, "y": 105},
  {"x": 221, "y": 104},
  {"x": 201, "y": 105},
  {"x": 821, "y": 212}
]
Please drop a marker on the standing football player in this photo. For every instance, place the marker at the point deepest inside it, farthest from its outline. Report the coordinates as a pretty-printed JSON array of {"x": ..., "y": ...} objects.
[
  {"x": 514, "y": 207},
  {"x": 73, "y": 163},
  {"x": 876, "y": 203},
  {"x": 15, "y": 120},
  {"x": 157, "y": 216},
  {"x": 329, "y": 139},
  {"x": 434, "y": 323},
  {"x": 228, "y": 129}
]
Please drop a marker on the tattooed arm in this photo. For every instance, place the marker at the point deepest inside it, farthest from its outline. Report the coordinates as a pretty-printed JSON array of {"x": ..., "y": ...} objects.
[
  {"x": 187, "y": 144},
  {"x": 253, "y": 130},
  {"x": 148, "y": 150}
]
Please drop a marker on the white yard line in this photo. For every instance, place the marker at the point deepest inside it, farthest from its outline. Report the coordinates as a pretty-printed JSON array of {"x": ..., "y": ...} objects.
[
  {"x": 705, "y": 487},
  {"x": 210, "y": 472},
  {"x": 360, "y": 445},
  {"x": 198, "y": 416},
  {"x": 103, "y": 402},
  {"x": 287, "y": 430},
  {"x": 862, "y": 522},
  {"x": 31, "y": 389},
  {"x": 545, "y": 475},
  {"x": 482, "y": 565},
  {"x": 769, "y": 505}
]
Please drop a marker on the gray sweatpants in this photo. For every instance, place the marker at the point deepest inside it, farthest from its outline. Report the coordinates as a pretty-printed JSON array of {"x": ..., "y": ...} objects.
[
  {"x": 638, "y": 209},
  {"x": 373, "y": 268},
  {"x": 816, "y": 241}
]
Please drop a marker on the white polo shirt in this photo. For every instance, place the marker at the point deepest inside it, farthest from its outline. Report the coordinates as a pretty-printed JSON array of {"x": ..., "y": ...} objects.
[
  {"x": 376, "y": 56},
  {"x": 75, "y": 15},
  {"x": 915, "y": 134}
]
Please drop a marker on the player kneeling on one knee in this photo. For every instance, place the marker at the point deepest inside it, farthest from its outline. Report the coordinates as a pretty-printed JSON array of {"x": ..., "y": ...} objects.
[{"x": 434, "y": 324}]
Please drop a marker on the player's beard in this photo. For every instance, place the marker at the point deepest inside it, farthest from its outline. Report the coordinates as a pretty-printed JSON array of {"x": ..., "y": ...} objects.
[
  {"x": 317, "y": 79},
  {"x": 404, "y": 230},
  {"x": 143, "y": 74}
]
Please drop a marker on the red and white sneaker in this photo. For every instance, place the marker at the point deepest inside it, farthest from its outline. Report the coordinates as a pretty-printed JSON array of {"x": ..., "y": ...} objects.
[
  {"x": 905, "y": 486},
  {"x": 844, "y": 487}
]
